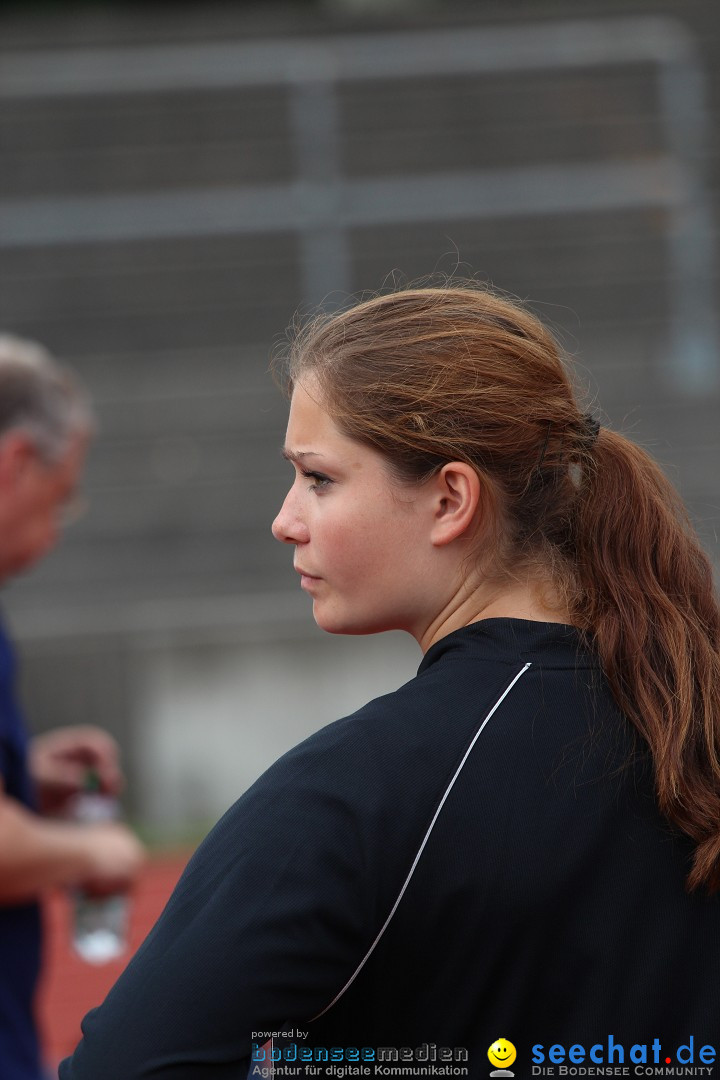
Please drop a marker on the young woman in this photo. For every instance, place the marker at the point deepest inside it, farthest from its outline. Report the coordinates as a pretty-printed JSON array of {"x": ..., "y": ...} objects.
[{"x": 521, "y": 845}]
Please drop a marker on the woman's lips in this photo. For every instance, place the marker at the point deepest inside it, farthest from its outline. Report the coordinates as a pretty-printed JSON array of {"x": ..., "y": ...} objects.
[{"x": 306, "y": 580}]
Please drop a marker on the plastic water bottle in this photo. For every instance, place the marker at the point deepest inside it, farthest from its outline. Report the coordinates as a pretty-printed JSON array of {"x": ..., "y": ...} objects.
[{"x": 100, "y": 924}]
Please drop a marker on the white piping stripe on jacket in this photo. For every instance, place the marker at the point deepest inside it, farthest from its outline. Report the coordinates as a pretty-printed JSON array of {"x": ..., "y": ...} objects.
[{"x": 416, "y": 860}]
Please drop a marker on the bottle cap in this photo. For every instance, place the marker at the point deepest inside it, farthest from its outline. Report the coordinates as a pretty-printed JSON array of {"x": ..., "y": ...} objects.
[{"x": 92, "y": 780}]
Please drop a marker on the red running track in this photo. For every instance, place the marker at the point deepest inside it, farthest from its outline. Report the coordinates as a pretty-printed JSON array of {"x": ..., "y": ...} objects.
[{"x": 70, "y": 987}]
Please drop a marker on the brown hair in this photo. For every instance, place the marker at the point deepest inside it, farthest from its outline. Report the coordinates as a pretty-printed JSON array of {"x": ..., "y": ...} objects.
[{"x": 458, "y": 373}]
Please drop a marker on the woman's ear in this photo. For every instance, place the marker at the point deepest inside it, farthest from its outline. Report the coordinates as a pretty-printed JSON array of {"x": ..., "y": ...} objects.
[{"x": 456, "y": 500}]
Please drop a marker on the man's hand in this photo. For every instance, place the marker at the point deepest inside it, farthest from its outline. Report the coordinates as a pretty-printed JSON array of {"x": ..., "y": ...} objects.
[
  {"x": 59, "y": 761},
  {"x": 37, "y": 854},
  {"x": 117, "y": 857}
]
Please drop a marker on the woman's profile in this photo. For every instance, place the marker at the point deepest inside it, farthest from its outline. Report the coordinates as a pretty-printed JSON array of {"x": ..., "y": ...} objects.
[{"x": 521, "y": 846}]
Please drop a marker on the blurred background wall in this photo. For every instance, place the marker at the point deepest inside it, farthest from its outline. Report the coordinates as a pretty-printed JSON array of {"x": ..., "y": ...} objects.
[{"x": 177, "y": 182}]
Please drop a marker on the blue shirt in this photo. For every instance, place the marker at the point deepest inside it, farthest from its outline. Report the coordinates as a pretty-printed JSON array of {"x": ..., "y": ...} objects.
[{"x": 20, "y": 930}]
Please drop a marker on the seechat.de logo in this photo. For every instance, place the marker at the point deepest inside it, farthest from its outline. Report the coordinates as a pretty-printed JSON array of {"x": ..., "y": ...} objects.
[{"x": 501, "y": 1054}]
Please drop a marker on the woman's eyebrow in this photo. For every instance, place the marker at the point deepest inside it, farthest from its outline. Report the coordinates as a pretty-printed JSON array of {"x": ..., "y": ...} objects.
[{"x": 297, "y": 455}]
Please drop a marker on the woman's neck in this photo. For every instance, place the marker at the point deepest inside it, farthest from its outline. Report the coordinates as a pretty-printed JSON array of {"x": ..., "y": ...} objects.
[{"x": 534, "y": 601}]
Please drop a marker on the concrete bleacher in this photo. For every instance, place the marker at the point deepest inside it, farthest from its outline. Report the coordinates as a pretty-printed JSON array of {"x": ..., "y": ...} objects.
[{"x": 173, "y": 330}]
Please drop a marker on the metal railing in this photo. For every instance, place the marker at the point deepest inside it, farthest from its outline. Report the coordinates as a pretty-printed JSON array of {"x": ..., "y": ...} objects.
[{"x": 322, "y": 205}]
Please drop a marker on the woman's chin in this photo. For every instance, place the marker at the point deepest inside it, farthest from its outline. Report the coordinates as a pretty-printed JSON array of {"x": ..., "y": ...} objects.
[
  {"x": 337, "y": 626},
  {"x": 337, "y": 623}
]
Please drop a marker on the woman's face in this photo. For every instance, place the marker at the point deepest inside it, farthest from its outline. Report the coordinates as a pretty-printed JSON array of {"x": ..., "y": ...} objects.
[{"x": 359, "y": 539}]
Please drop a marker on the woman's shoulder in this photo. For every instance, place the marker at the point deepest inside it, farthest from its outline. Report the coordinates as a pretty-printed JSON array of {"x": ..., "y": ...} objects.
[
  {"x": 352, "y": 795},
  {"x": 411, "y": 737},
  {"x": 460, "y": 680}
]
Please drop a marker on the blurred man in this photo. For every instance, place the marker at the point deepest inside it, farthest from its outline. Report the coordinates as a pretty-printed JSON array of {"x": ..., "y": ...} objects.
[{"x": 45, "y": 426}]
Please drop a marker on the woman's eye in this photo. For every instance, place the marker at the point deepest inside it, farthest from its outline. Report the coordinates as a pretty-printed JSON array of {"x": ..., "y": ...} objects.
[{"x": 320, "y": 481}]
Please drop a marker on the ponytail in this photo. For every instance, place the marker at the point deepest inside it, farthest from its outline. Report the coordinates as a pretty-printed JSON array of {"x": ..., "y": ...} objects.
[{"x": 648, "y": 603}]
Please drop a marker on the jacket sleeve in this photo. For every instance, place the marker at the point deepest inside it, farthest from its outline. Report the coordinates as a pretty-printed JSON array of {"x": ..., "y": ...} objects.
[{"x": 267, "y": 923}]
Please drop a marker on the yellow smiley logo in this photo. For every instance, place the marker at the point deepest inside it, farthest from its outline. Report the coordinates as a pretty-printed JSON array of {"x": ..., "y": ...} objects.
[{"x": 502, "y": 1053}]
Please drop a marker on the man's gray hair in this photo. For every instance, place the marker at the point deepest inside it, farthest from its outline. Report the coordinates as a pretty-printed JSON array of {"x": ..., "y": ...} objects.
[{"x": 40, "y": 397}]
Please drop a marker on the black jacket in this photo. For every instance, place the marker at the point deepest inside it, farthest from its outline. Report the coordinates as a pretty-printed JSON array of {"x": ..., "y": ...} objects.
[{"x": 477, "y": 855}]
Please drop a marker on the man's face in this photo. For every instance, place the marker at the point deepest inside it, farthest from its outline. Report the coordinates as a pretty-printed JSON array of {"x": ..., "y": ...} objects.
[{"x": 35, "y": 494}]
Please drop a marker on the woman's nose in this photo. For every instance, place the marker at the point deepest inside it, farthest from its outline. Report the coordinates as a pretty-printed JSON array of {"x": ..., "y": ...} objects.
[{"x": 287, "y": 526}]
